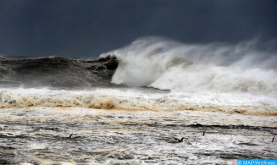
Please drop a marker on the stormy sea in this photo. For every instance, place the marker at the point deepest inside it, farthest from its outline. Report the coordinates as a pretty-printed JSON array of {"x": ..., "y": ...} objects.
[{"x": 155, "y": 101}]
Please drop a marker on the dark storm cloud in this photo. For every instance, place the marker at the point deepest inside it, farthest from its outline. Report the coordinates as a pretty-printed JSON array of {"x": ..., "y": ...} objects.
[{"x": 89, "y": 27}]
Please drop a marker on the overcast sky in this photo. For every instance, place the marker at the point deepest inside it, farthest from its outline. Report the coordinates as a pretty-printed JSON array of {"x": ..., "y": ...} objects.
[{"x": 86, "y": 28}]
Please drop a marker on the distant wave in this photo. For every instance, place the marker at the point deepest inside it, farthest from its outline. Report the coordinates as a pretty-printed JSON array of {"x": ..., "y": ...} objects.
[
  {"x": 164, "y": 64},
  {"x": 56, "y": 72}
]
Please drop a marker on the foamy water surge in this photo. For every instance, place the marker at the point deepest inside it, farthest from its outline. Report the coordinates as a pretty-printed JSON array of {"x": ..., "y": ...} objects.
[
  {"x": 140, "y": 100},
  {"x": 137, "y": 126},
  {"x": 215, "y": 67}
]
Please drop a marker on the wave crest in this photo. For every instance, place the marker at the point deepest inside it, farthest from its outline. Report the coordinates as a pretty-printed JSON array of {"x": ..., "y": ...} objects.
[{"x": 165, "y": 64}]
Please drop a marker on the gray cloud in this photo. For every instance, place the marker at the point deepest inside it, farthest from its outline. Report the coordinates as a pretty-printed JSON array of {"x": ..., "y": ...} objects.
[{"x": 89, "y": 27}]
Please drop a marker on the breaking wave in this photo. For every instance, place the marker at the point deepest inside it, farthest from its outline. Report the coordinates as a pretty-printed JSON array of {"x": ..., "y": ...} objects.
[{"x": 165, "y": 64}]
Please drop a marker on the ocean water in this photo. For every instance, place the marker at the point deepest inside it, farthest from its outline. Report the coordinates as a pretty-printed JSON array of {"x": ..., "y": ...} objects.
[{"x": 129, "y": 105}]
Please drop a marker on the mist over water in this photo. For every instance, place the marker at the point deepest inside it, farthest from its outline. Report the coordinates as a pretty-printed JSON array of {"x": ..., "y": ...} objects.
[{"x": 216, "y": 67}]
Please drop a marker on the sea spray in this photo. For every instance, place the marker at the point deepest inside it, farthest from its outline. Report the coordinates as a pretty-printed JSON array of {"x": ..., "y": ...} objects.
[{"x": 165, "y": 64}]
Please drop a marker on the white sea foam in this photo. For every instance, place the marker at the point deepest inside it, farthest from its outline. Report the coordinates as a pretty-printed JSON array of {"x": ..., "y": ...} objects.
[
  {"x": 134, "y": 99},
  {"x": 165, "y": 64},
  {"x": 37, "y": 146},
  {"x": 26, "y": 163}
]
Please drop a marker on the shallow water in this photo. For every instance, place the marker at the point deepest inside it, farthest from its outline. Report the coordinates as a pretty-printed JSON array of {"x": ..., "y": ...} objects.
[
  {"x": 41, "y": 135},
  {"x": 134, "y": 126}
]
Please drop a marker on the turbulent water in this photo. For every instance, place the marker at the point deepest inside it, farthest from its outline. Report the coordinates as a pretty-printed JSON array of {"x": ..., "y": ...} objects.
[
  {"x": 214, "y": 67},
  {"x": 127, "y": 106},
  {"x": 56, "y": 72}
]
